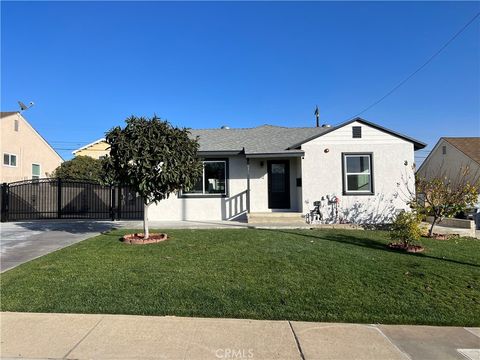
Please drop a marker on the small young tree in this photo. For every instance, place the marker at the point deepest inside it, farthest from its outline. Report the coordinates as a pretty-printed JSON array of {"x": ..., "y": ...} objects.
[
  {"x": 444, "y": 196},
  {"x": 154, "y": 158},
  {"x": 80, "y": 168},
  {"x": 406, "y": 228}
]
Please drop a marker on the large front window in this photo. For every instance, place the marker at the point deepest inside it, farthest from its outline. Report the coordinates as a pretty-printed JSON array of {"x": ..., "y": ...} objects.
[
  {"x": 357, "y": 174},
  {"x": 213, "y": 180}
]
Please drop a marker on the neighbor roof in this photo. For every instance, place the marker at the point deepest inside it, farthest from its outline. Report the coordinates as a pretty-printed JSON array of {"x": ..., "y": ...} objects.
[
  {"x": 4, "y": 114},
  {"x": 470, "y": 146}
]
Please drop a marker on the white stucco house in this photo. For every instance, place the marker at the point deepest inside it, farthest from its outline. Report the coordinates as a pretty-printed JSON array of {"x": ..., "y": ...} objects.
[
  {"x": 359, "y": 171},
  {"x": 271, "y": 172}
]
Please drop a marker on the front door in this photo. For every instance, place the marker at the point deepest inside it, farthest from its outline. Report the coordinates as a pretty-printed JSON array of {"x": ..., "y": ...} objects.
[{"x": 278, "y": 184}]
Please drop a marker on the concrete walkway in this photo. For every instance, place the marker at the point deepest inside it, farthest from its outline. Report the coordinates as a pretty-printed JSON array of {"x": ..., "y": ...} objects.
[
  {"x": 71, "y": 336},
  {"x": 24, "y": 241}
]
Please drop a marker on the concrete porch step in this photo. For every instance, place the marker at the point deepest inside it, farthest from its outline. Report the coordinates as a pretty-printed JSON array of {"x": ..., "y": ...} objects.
[{"x": 275, "y": 217}]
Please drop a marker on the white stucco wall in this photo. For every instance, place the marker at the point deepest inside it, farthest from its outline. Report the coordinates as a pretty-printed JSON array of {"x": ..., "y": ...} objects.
[
  {"x": 209, "y": 208},
  {"x": 259, "y": 185},
  {"x": 321, "y": 174},
  {"x": 393, "y": 180}
]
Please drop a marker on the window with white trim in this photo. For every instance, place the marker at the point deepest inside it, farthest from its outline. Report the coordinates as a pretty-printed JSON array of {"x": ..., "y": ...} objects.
[
  {"x": 9, "y": 159},
  {"x": 35, "y": 171},
  {"x": 357, "y": 174},
  {"x": 213, "y": 180}
]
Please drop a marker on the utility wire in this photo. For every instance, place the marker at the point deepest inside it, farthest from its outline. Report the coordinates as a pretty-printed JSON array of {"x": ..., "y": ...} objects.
[{"x": 421, "y": 67}]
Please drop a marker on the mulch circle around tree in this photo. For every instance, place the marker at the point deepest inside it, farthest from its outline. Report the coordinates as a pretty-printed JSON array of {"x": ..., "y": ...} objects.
[
  {"x": 137, "y": 238},
  {"x": 409, "y": 248},
  {"x": 444, "y": 236}
]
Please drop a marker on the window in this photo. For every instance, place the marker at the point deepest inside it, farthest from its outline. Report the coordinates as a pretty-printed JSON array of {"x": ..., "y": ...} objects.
[
  {"x": 35, "y": 171},
  {"x": 9, "y": 159},
  {"x": 356, "y": 132},
  {"x": 213, "y": 180},
  {"x": 15, "y": 125},
  {"x": 444, "y": 150},
  {"x": 357, "y": 174}
]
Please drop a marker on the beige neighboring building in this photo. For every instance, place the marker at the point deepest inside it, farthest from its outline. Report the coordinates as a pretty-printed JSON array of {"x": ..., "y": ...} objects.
[
  {"x": 25, "y": 153},
  {"x": 97, "y": 149},
  {"x": 450, "y": 155}
]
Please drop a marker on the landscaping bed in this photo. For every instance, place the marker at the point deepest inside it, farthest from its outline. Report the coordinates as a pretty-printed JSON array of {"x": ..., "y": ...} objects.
[{"x": 310, "y": 275}]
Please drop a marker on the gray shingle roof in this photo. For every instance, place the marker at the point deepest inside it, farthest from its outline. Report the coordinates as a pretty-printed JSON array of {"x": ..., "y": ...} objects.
[
  {"x": 268, "y": 139},
  {"x": 258, "y": 140}
]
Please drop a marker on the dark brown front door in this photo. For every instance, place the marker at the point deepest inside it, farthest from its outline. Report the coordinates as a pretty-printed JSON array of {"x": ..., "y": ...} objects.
[{"x": 278, "y": 184}]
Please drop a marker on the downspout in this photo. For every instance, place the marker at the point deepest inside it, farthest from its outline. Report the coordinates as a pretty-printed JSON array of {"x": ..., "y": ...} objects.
[{"x": 248, "y": 186}]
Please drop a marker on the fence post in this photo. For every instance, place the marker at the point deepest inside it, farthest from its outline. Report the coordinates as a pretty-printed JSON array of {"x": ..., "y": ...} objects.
[
  {"x": 4, "y": 203},
  {"x": 59, "y": 198},
  {"x": 112, "y": 202}
]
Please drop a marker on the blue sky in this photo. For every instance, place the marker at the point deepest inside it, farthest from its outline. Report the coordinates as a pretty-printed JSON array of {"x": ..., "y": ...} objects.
[{"x": 89, "y": 65}]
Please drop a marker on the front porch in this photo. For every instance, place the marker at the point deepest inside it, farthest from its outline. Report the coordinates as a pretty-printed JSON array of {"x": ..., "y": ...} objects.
[
  {"x": 292, "y": 217},
  {"x": 274, "y": 188}
]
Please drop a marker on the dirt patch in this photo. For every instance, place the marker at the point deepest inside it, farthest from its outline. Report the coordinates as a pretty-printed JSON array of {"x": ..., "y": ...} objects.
[
  {"x": 138, "y": 238},
  {"x": 409, "y": 248},
  {"x": 444, "y": 236}
]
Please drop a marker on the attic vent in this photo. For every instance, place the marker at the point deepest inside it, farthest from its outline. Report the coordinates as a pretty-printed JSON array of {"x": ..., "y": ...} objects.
[
  {"x": 15, "y": 125},
  {"x": 356, "y": 132},
  {"x": 444, "y": 150}
]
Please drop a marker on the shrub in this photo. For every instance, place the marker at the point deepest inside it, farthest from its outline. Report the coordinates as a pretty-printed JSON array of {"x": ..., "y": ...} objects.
[{"x": 406, "y": 228}]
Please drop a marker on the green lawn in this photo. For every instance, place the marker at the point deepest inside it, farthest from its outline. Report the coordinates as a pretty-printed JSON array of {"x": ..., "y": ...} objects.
[{"x": 313, "y": 275}]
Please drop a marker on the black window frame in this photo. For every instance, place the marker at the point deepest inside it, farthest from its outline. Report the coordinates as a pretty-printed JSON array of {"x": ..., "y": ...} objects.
[
  {"x": 183, "y": 194},
  {"x": 347, "y": 192}
]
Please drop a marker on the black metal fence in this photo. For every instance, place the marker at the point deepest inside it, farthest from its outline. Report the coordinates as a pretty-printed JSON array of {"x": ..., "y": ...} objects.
[{"x": 67, "y": 199}]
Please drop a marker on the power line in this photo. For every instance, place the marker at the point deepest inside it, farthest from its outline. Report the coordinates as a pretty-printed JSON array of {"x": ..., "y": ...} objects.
[{"x": 421, "y": 67}]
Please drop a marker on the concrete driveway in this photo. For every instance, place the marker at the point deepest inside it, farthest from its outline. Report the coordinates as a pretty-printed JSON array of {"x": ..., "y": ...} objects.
[{"x": 23, "y": 241}]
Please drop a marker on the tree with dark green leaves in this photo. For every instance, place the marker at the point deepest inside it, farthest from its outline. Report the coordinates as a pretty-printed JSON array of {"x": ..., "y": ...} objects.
[
  {"x": 154, "y": 158},
  {"x": 80, "y": 168}
]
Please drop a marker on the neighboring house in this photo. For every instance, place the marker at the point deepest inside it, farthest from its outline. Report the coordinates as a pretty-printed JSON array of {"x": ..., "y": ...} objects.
[
  {"x": 272, "y": 171},
  {"x": 450, "y": 156},
  {"x": 96, "y": 150},
  {"x": 25, "y": 153}
]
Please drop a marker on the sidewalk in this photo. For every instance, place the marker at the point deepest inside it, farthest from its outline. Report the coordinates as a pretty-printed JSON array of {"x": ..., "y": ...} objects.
[{"x": 72, "y": 336}]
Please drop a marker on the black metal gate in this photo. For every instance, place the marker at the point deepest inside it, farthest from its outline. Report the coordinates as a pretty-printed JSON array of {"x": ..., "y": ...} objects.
[{"x": 68, "y": 199}]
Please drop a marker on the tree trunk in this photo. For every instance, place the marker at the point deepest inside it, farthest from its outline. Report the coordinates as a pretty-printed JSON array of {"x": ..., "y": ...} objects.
[
  {"x": 434, "y": 221},
  {"x": 146, "y": 233}
]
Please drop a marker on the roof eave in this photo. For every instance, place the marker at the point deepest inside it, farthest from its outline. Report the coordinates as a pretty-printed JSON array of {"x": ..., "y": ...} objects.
[
  {"x": 281, "y": 154},
  {"x": 219, "y": 152}
]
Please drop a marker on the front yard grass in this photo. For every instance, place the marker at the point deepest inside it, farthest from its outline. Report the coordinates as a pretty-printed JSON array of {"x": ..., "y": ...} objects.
[{"x": 312, "y": 275}]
